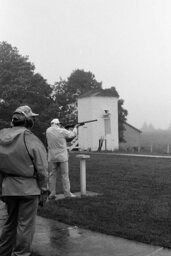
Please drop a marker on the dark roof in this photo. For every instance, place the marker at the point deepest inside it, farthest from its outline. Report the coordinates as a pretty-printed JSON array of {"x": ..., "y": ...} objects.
[
  {"x": 100, "y": 93},
  {"x": 133, "y": 127}
]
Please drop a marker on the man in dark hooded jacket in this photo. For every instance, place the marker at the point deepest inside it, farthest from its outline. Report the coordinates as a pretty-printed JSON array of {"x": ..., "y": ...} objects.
[{"x": 24, "y": 172}]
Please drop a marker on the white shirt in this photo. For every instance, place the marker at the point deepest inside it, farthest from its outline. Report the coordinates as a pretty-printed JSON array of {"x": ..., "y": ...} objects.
[{"x": 57, "y": 145}]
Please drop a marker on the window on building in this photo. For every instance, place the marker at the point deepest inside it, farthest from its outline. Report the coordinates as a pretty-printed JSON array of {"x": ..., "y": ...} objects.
[{"x": 107, "y": 125}]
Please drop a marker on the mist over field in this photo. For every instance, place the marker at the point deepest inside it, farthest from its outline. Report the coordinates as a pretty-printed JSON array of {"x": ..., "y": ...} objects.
[{"x": 158, "y": 140}]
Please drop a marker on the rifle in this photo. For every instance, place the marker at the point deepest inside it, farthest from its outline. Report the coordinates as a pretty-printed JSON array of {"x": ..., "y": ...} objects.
[{"x": 80, "y": 124}]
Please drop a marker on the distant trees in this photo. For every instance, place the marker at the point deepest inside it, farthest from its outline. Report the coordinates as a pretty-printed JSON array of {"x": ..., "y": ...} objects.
[
  {"x": 147, "y": 127},
  {"x": 150, "y": 128}
]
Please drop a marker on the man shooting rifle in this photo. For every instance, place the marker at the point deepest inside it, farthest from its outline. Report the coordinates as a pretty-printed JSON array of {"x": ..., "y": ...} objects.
[{"x": 57, "y": 137}]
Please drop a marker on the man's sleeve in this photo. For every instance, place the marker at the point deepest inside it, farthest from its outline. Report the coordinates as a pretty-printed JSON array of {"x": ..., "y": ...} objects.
[
  {"x": 70, "y": 134},
  {"x": 39, "y": 155}
]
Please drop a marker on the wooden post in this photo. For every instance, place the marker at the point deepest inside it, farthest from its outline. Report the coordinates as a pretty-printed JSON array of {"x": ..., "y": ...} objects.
[
  {"x": 151, "y": 148},
  {"x": 83, "y": 173},
  {"x": 168, "y": 148}
]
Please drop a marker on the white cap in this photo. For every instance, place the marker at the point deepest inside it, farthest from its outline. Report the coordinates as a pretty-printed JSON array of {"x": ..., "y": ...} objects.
[{"x": 55, "y": 121}]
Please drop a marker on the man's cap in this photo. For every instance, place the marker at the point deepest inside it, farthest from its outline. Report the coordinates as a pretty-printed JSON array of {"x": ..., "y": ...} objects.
[
  {"x": 55, "y": 121},
  {"x": 25, "y": 110}
]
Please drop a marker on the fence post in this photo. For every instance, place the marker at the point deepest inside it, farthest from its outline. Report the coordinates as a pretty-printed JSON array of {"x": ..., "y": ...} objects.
[
  {"x": 151, "y": 148},
  {"x": 168, "y": 148}
]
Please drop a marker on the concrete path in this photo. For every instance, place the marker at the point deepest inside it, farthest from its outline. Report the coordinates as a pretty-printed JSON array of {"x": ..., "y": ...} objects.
[{"x": 54, "y": 238}]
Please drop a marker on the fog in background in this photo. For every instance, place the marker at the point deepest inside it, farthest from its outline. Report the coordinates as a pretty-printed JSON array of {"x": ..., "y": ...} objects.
[{"x": 124, "y": 43}]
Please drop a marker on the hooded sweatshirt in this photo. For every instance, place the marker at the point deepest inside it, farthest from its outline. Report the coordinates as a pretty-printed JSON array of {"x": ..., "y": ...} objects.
[{"x": 21, "y": 175}]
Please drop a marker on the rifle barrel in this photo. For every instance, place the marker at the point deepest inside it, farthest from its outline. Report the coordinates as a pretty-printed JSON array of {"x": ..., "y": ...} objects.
[
  {"x": 81, "y": 123},
  {"x": 89, "y": 121}
]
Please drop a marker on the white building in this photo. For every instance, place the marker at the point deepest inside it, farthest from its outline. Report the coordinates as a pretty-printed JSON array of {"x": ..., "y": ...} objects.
[{"x": 102, "y": 134}]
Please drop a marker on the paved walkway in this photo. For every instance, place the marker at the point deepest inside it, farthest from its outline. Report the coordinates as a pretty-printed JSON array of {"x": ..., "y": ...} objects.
[{"x": 54, "y": 238}]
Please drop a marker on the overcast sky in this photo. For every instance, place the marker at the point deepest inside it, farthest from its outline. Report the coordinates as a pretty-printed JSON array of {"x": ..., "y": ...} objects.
[{"x": 124, "y": 43}]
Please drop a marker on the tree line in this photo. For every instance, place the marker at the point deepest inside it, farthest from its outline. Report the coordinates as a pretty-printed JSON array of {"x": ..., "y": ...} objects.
[{"x": 21, "y": 85}]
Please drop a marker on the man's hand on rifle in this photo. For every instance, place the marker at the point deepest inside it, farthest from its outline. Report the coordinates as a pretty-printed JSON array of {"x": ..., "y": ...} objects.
[
  {"x": 81, "y": 124},
  {"x": 77, "y": 125}
]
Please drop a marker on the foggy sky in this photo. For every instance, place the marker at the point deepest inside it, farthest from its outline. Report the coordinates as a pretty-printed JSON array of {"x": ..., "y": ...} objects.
[{"x": 124, "y": 43}]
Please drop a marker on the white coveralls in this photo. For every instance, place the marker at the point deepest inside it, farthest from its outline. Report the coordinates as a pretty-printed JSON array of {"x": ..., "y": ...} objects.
[{"x": 58, "y": 157}]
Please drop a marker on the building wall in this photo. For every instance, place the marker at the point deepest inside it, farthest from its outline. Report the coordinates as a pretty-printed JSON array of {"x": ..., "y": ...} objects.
[
  {"x": 132, "y": 138},
  {"x": 90, "y": 108}
]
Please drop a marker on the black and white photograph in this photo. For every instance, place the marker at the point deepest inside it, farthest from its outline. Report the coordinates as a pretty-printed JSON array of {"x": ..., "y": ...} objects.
[{"x": 85, "y": 127}]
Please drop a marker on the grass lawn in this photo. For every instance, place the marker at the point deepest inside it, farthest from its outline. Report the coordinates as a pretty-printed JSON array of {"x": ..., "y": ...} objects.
[{"x": 135, "y": 201}]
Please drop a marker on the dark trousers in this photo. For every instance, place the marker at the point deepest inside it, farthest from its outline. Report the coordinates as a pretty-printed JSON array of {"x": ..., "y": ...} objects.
[{"x": 19, "y": 228}]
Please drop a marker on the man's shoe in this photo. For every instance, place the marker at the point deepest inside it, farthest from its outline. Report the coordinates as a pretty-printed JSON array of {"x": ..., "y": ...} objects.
[
  {"x": 70, "y": 195},
  {"x": 52, "y": 197}
]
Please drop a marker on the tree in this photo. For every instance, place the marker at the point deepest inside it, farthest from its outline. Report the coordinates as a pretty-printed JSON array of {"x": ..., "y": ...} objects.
[
  {"x": 80, "y": 82},
  {"x": 66, "y": 93},
  {"x": 19, "y": 85},
  {"x": 15, "y": 72},
  {"x": 122, "y": 117}
]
